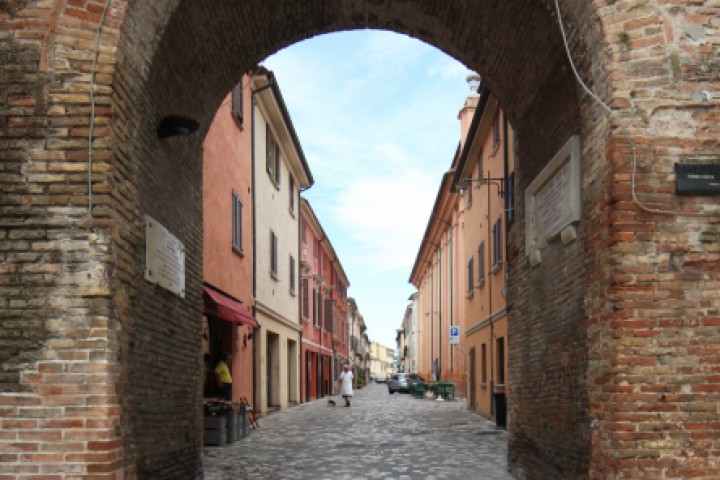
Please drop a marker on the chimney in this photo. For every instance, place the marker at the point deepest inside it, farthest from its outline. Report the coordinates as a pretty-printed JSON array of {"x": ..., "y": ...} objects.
[{"x": 466, "y": 113}]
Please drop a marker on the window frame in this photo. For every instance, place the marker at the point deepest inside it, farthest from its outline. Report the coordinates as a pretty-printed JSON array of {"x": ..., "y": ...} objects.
[
  {"x": 237, "y": 230},
  {"x": 470, "y": 278},
  {"x": 497, "y": 244},
  {"x": 293, "y": 282},
  {"x": 481, "y": 264},
  {"x": 274, "y": 255}
]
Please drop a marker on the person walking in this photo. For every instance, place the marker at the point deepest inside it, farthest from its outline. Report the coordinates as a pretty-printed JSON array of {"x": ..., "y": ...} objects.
[{"x": 346, "y": 384}]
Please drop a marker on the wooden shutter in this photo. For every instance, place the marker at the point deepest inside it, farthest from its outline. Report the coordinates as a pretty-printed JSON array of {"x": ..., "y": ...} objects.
[
  {"x": 237, "y": 103},
  {"x": 328, "y": 307},
  {"x": 269, "y": 150},
  {"x": 305, "y": 298}
]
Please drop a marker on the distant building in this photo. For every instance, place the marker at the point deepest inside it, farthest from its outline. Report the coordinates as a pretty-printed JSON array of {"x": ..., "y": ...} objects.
[{"x": 323, "y": 298}]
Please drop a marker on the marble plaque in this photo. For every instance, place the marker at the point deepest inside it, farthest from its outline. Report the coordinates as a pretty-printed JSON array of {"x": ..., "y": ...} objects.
[
  {"x": 553, "y": 198},
  {"x": 164, "y": 258}
]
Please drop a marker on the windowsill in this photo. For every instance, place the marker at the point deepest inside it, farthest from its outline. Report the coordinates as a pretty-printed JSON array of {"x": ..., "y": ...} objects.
[
  {"x": 496, "y": 268},
  {"x": 480, "y": 284},
  {"x": 292, "y": 212},
  {"x": 238, "y": 251},
  {"x": 469, "y": 294},
  {"x": 274, "y": 276},
  {"x": 293, "y": 293},
  {"x": 483, "y": 385}
]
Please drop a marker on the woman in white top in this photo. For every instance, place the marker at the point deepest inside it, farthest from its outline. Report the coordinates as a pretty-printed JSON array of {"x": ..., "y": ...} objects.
[{"x": 346, "y": 384}]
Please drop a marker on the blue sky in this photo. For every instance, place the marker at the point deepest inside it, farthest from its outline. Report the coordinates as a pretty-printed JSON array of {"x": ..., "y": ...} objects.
[{"x": 376, "y": 115}]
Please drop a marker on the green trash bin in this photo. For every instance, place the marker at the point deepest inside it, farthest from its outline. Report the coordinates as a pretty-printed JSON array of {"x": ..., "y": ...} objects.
[{"x": 418, "y": 390}]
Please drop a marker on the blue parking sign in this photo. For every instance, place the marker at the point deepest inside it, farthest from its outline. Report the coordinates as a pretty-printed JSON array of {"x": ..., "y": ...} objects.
[{"x": 454, "y": 335}]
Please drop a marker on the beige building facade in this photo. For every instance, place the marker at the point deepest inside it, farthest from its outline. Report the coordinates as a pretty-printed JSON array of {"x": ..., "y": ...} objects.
[{"x": 280, "y": 172}]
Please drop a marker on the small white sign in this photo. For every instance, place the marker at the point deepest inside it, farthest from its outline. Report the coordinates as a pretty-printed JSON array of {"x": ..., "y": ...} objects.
[
  {"x": 454, "y": 335},
  {"x": 164, "y": 258}
]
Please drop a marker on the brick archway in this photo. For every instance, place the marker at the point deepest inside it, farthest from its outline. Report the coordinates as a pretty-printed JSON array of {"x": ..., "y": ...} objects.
[{"x": 614, "y": 352}]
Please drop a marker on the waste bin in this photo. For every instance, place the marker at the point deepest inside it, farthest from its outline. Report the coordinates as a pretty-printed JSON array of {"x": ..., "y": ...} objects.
[
  {"x": 232, "y": 427},
  {"x": 215, "y": 432},
  {"x": 243, "y": 423}
]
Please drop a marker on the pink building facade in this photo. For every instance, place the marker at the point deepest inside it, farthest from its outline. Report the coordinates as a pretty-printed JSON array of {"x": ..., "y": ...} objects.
[{"x": 323, "y": 311}]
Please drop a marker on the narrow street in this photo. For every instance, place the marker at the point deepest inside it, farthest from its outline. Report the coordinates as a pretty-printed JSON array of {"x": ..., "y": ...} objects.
[{"x": 381, "y": 436}]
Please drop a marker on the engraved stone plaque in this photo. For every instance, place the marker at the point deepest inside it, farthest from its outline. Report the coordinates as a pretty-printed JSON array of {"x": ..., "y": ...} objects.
[
  {"x": 164, "y": 258},
  {"x": 553, "y": 198}
]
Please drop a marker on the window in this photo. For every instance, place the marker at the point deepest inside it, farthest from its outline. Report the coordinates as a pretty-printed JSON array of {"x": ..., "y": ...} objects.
[
  {"x": 292, "y": 195},
  {"x": 497, "y": 243},
  {"x": 501, "y": 361},
  {"x": 303, "y": 232},
  {"x": 481, "y": 264},
  {"x": 483, "y": 364},
  {"x": 237, "y": 223},
  {"x": 273, "y": 160},
  {"x": 237, "y": 104},
  {"x": 328, "y": 312},
  {"x": 316, "y": 313},
  {"x": 510, "y": 198},
  {"x": 292, "y": 275},
  {"x": 315, "y": 248},
  {"x": 470, "y": 268},
  {"x": 496, "y": 132},
  {"x": 273, "y": 254},
  {"x": 468, "y": 195},
  {"x": 305, "y": 298}
]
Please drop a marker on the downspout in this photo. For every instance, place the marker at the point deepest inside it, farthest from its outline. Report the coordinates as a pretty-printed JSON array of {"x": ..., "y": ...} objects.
[
  {"x": 450, "y": 286},
  {"x": 490, "y": 310},
  {"x": 439, "y": 313},
  {"x": 254, "y": 235},
  {"x": 432, "y": 320}
]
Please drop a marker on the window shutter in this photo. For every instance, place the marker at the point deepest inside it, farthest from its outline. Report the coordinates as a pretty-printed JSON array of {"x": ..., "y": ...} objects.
[
  {"x": 292, "y": 274},
  {"x": 328, "y": 314},
  {"x": 278, "y": 163},
  {"x": 305, "y": 300},
  {"x": 269, "y": 150},
  {"x": 481, "y": 262},
  {"x": 236, "y": 222},
  {"x": 237, "y": 103},
  {"x": 273, "y": 253},
  {"x": 470, "y": 269}
]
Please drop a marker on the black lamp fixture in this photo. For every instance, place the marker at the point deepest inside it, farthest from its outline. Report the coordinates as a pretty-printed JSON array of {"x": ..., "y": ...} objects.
[{"x": 176, "y": 125}]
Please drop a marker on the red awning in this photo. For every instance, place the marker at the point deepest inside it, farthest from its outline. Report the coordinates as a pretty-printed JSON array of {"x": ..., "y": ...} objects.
[{"x": 228, "y": 309}]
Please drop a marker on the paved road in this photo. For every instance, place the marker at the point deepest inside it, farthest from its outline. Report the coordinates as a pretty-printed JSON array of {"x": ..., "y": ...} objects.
[{"x": 381, "y": 436}]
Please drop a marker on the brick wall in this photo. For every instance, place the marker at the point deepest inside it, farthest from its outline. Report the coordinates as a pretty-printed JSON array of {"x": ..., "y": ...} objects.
[{"x": 100, "y": 371}]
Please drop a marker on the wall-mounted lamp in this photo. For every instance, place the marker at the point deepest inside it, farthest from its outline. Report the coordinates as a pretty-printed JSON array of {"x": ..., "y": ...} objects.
[
  {"x": 176, "y": 125},
  {"x": 498, "y": 182}
]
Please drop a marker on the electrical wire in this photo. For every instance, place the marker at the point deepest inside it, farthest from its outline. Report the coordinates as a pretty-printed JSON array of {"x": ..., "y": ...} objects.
[
  {"x": 91, "y": 129},
  {"x": 636, "y": 200}
]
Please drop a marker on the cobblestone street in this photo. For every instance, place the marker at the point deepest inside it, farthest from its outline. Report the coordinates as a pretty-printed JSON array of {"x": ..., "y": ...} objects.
[{"x": 381, "y": 436}]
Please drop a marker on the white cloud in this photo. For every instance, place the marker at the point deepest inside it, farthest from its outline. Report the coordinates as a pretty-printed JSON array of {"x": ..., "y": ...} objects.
[{"x": 376, "y": 114}]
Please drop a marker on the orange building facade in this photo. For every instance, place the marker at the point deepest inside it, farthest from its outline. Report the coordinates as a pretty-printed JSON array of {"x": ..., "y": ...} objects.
[
  {"x": 484, "y": 176},
  {"x": 228, "y": 325},
  {"x": 460, "y": 269}
]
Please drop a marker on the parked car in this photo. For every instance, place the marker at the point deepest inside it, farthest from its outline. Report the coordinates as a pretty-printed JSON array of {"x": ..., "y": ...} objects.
[
  {"x": 380, "y": 377},
  {"x": 402, "y": 382}
]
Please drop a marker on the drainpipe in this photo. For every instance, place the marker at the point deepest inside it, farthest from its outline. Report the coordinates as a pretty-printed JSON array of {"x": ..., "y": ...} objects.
[
  {"x": 450, "y": 286},
  {"x": 432, "y": 330},
  {"x": 490, "y": 310},
  {"x": 439, "y": 313}
]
